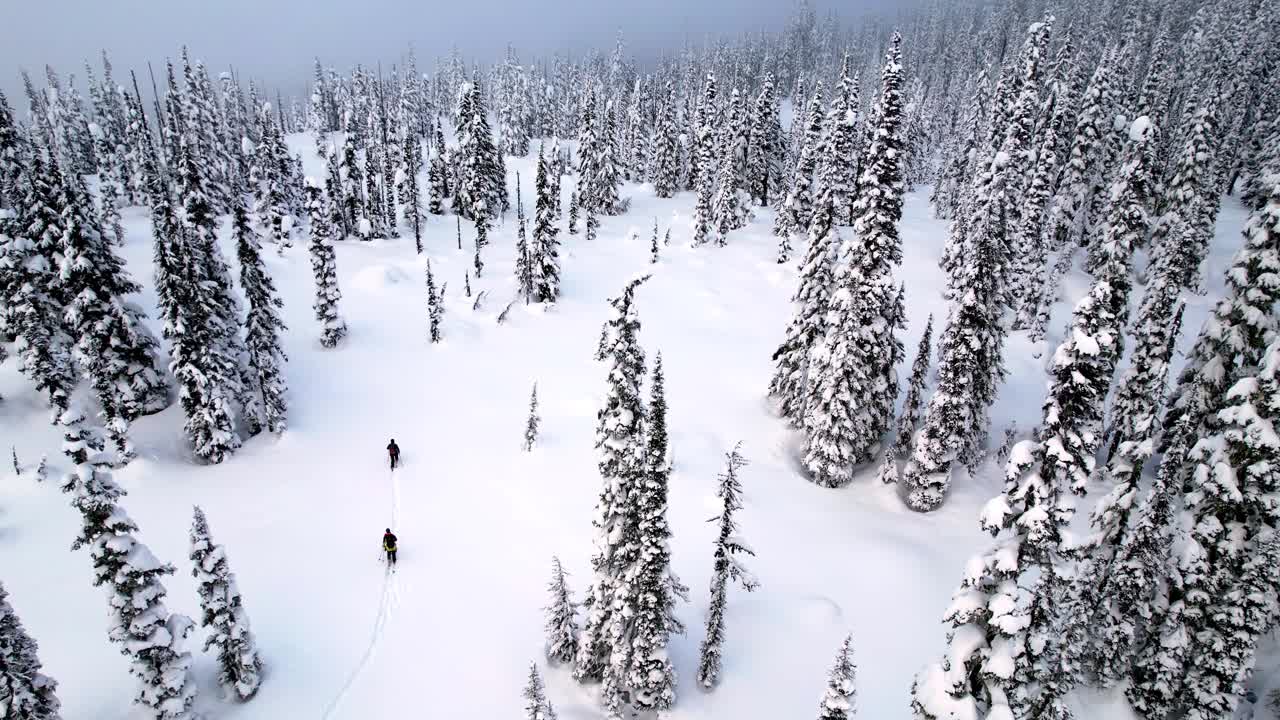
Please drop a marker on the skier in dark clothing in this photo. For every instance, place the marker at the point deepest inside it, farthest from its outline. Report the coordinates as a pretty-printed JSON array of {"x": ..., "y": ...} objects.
[
  {"x": 389, "y": 544},
  {"x": 394, "y": 451}
]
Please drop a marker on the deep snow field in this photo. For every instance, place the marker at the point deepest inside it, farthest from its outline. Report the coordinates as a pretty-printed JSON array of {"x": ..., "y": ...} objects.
[{"x": 451, "y": 634}]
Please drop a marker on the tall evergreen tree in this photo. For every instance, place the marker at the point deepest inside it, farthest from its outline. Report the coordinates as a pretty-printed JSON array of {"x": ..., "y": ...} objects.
[
  {"x": 239, "y": 667},
  {"x": 263, "y": 327},
  {"x": 852, "y": 373},
  {"x": 411, "y": 194},
  {"x": 797, "y": 208},
  {"x": 666, "y": 153},
  {"x": 842, "y": 148},
  {"x": 546, "y": 245},
  {"x": 324, "y": 267},
  {"x": 29, "y": 260},
  {"x": 727, "y": 567},
  {"x": 620, "y": 444},
  {"x": 202, "y": 318},
  {"x": 562, "y": 623},
  {"x": 651, "y": 676},
  {"x": 765, "y": 146},
  {"x": 25, "y": 692},
  {"x": 113, "y": 347},
  {"x": 808, "y": 325}
]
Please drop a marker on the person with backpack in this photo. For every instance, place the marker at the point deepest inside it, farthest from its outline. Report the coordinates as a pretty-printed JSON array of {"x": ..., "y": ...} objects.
[
  {"x": 389, "y": 545},
  {"x": 394, "y": 451}
]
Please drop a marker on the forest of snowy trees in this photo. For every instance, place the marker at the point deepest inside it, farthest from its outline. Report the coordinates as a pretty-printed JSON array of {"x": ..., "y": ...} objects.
[{"x": 1093, "y": 134}]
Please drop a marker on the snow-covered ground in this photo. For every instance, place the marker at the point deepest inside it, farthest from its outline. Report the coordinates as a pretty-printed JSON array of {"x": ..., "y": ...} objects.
[{"x": 451, "y": 634}]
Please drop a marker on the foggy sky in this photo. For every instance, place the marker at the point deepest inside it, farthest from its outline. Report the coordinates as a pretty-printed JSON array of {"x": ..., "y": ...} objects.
[{"x": 274, "y": 41}]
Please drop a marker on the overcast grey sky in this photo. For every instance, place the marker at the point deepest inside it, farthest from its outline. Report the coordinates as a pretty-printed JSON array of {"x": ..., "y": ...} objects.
[{"x": 275, "y": 40}]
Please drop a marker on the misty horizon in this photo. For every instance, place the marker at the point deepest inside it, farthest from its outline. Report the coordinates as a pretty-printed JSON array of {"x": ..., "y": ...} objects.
[{"x": 277, "y": 46}]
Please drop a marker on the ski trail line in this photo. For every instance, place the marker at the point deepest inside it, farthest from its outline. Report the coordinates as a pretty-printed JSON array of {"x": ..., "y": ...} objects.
[{"x": 390, "y": 598}]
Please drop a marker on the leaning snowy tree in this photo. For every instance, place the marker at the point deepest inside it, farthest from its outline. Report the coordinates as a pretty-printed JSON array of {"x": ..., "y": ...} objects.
[
  {"x": 727, "y": 567},
  {"x": 839, "y": 702},
  {"x": 562, "y": 623},
  {"x": 139, "y": 622},
  {"x": 262, "y": 327},
  {"x": 25, "y": 692},
  {"x": 323, "y": 265},
  {"x": 239, "y": 667}
]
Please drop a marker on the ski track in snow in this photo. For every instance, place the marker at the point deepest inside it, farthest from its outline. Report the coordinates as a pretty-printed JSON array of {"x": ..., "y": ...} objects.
[{"x": 386, "y": 605}]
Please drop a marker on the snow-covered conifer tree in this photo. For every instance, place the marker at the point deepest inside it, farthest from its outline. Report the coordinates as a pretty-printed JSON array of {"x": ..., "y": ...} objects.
[
  {"x": 797, "y": 208},
  {"x": 839, "y": 702},
  {"x": 531, "y": 425},
  {"x": 852, "y": 382},
  {"x": 435, "y": 311},
  {"x": 727, "y": 567},
  {"x": 808, "y": 324},
  {"x": 562, "y": 623},
  {"x": 25, "y": 692},
  {"x": 765, "y": 148},
  {"x": 910, "y": 415},
  {"x": 573, "y": 212},
  {"x": 620, "y": 444},
  {"x": 324, "y": 267},
  {"x": 537, "y": 706},
  {"x": 139, "y": 622},
  {"x": 239, "y": 667},
  {"x": 262, "y": 326},
  {"x": 666, "y": 152},
  {"x": 112, "y": 345},
  {"x": 546, "y": 245},
  {"x": 651, "y": 677}
]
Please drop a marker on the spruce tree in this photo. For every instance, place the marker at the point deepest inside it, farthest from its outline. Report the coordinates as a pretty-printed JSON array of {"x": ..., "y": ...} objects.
[
  {"x": 1180, "y": 235},
  {"x": 841, "y": 157},
  {"x": 25, "y": 692},
  {"x": 765, "y": 149},
  {"x": 619, "y": 442},
  {"x": 113, "y": 347},
  {"x": 436, "y": 179},
  {"x": 573, "y": 213},
  {"x": 910, "y": 415},
  {"x": 839, "y": 702},
  {"x": 546, "y": 245},
  {"x": 727, "y": 567},
  {"x": 666, "y": 153},
  {"x": 34, "y": 306},
  {"x": 562, "y": 624},
  {"x": 324, "y": 268},
  {"x": 263, "y": 327},
  {"x": 201, "y": 316},
  {"x": 808, "y": 324},
  {"x": 434, "y": 309},
  {"x": 239, "y": 667},
  {"x": 797, "y": 208},
  {"x": 526, "y": 260},
  {"x": 1081, "y": 176},
  {"x": 531, "y": 425},
  {"x": 537, "y": 706},
  {"x": 651, "y": 677},
  {"x": 411, "y": 194},
  {"x": 852, "y": 374}
]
